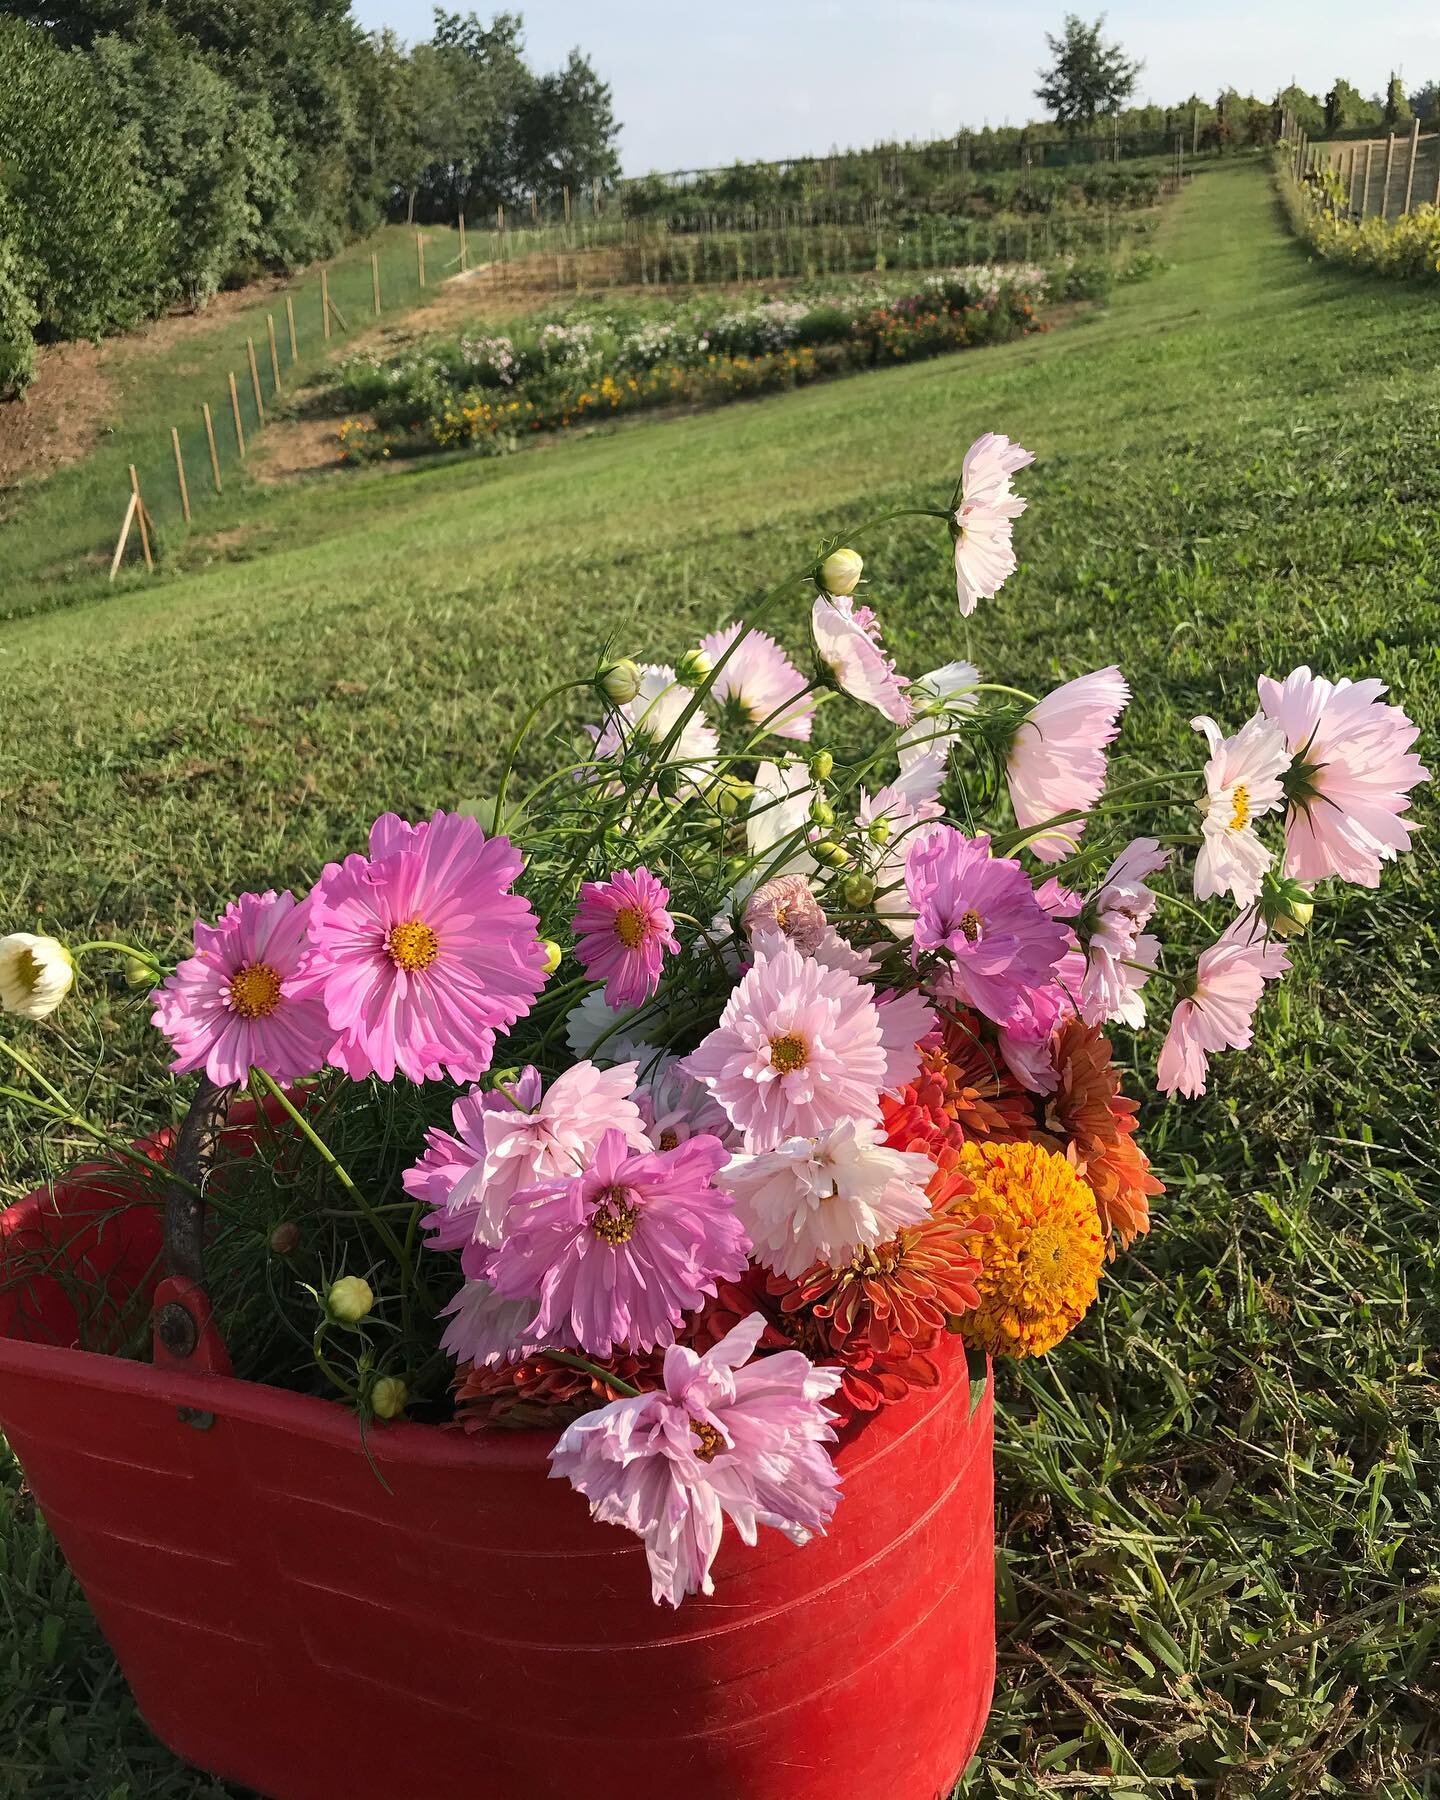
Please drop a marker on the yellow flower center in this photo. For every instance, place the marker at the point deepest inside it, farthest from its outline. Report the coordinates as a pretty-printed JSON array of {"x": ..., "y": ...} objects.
[
  {"x": 970, "y": 922},
  {"x": 669, "y": 1139},
  {"x": 630, "y": 927},
  {"x": 1041, "y": 1259},
  {"x": 412, "y": 946},
  {"x": 27, "y": 971},
  {"x": 782, "y": 918},
  {"x": 788, "y": 1053},
  {"x": 711, "y": 1443},
  {"x": 255, "y": 992},
  {"x": 1240, "y": 814},
  {"x": 613, "y": 1220}
]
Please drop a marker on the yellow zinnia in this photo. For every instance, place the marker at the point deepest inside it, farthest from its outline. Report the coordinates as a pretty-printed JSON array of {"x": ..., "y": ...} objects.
[{"x": 1042, "y": 1259}]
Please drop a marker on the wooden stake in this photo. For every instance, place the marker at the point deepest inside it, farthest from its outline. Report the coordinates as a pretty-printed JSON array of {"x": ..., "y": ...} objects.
[
  {"x": 1365, "y": 190},
  {"x": 180, "y": 473},
  {"x": 464, "y": 265},
  {"x": 567, "y": 205},
  {"x": 124, "y": 533},
  {"x": 1410, "y": 172},
  {"x": 375, "y": 281},
  {"x": 325, "y": 302},
  {"x": 290, "y": 321},
  {"x": 274, "y": 352},
  {"x": 420, "y": 257},
  {"x": 235, "y": 414},
  {"x": 210, "y": 439},
  {"x": 140, "y": 514},
  {"x": 255, "y": 381},
  {"x": 1389, "y": 159}
]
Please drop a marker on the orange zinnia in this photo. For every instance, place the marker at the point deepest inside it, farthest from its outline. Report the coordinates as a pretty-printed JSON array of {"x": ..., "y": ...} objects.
[
  {"x": 1098, "y": 1122},
  {"x": 963, "y": 1091}
]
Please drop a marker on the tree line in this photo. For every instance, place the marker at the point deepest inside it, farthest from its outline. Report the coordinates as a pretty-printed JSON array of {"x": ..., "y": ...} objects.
[{"x": 153, "y": 153}]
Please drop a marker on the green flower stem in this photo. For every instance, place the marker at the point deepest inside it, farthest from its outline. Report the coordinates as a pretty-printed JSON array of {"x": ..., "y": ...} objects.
[
  {"x": 1184, "y": 906},
  {"x": 332, "y": 1375},
  {"x": 1178, "y": 981},
  {"x": 554, "y": 693},
  {"x": 587, "y": 1367},
  {"x": 145, "y": 956}
]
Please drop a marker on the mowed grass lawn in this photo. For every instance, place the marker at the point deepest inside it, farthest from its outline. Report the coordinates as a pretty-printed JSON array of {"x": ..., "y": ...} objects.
[{"x": 1220, "y": 1571}]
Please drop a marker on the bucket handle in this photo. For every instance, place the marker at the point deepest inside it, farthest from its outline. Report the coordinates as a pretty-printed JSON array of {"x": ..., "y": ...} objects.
[{"x": 184, "y": 1334}]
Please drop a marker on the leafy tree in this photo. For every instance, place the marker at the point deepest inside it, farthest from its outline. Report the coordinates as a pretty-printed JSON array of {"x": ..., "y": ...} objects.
[
  {"x": 1087, "y": 76},
  {"x": 1347, "y": 109},
  {"x": 1397, "y": 108},
  {"x": 565, "y": 132},
  {"x": 1307, "y": 111},
  {"x": 1425, "y": 103}
]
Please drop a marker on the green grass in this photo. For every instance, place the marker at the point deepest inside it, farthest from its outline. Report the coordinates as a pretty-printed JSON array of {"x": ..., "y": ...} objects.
[
  {"x": 1218, "y": 1501},
  {"x": 57, "y": 537}
]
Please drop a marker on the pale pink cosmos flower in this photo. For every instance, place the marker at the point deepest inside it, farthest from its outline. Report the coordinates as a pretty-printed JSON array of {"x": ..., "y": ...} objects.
[
  {"x": 623, "y": 933},
  {"x": 517, "y": 1137},
  {"x": 941, "y": 700},
  {"x": 985, "y": 518},
  {"x": 822, "y": 1199},
  {"x": 1057, "y": 757},
  {"x": 981, "y": 911},
  {"x": 1218, "y": 1013},
  {"x": 848, "y": 639},
  {"x": 1024, "y": 1038},
  {"x": 798, "y": 1048},
  {"x": 653, "y": 717},
  {"x": 760, "y": 683},
  {"x": 228, "y": 1008},
  {"x": 607, "y": 1035},
  {"x": 727, "y": 1438},
  {"x": 674, "y": 1107},
  {"x": 906, "y": 1017},
  {"x": 420, "y": 951},
  {"x": 777, "y": 823},
  {"x": 896, "y": 815},
  {"x": 485, "y": 1328},
  {"x": 618, "y": 1256},
  {"x": 1242, "y": 784},
  {"x": 1121, "y": 909},
  {"x": 785, "y": 907},
  {"x": 1349, "y": 786}
]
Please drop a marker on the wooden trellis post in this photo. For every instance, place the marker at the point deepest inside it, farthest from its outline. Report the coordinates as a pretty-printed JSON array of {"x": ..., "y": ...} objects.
[
  {"x": 290, "y": 321},
  {"x": 420, "y": 257},
  {"x": 1410, "y": 172},
  {"x": 235, "y": 415},
  {"x": 274, "y": 351},
  {"x": 180, "y": 473},
  {"x": 464, "y": 264},
  {"x": 1389, "y": 160},
  {"x": 134, "y": 511},
  {"x": 1365, "y": 186},
  {"x": 255, "y": 381},
  {"x": 325, "y": 302},
  {"x": 210, "y": 440},
  {"x": 375, "y": 282}
]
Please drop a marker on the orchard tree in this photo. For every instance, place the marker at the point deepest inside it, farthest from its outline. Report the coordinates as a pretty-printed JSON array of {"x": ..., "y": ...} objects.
[
  {"x": 1425, "y": 103},
  {"x": 1397, "y": 107},
  {"x": 1088, "y": 77}
]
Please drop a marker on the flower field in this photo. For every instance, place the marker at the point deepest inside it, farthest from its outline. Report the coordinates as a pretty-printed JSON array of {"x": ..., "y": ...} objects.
[
  {"x": 1217, "y": 1497},
  {"x": 584, "y": 362}
]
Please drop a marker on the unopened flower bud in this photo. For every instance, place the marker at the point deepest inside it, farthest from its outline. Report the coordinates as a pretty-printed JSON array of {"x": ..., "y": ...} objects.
[
  {"x": 859, "y": 890},
  {"x": 840, "y": 572},
  {"x": 553, "y": 954},
  {"x": 736, "y": 868},
  {"x": 1286, "y": 905},
  {"x": 831, "y": 854},
  {"x": 140, "y": 974},
  {"x": 389, "y": 1397},
  {"x": 822, "y": 812},
  {"x": 1295, "y": 918},
  {"x": 349, "y": 1299},
  {"x": 285, "y": 1238},
  {"x": 692, "y": 668},
  {"x": 35, "y": 974},
  {"x": 822, "y": 765},
  {"x": 619, "y": 681},
  {"x": 878, "y": 831}
]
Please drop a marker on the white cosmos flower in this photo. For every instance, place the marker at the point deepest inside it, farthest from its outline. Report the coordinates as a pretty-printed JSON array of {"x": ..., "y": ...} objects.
[
  {"x": 848, "y": 640},
  {"x": 653, "y": 714},
  {"x": 1122, "y": 905},
  {"x": 36, "y": 974},
  {"x": 588, "y": 1022},
  {"x": 985, "y": 518},
  {"x": 780, "y": 809},
  {"x": 821, "y": 1199},
  {"x": 1242, "y": 784},
  {"x": 940, "y": 699}
]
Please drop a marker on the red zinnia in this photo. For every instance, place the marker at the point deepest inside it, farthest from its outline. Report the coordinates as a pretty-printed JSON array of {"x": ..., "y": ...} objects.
[
  {"x": 540, "y": 1391},
  {"x": 964, "y": 1091}
]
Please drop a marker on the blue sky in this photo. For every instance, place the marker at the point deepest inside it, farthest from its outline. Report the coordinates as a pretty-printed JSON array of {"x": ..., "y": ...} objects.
[{"x": 697, "y": 85}]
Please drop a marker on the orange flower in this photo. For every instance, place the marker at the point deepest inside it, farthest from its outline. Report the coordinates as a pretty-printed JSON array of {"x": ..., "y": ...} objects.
[
  {"x": 1098, "y": 1122},
  {"x": 538, "y": 1391},
  {"x": 963, "y": 1091}
]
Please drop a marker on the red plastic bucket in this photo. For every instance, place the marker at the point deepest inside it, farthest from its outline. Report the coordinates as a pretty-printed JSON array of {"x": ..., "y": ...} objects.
[{"x": 287, "y": 1623}]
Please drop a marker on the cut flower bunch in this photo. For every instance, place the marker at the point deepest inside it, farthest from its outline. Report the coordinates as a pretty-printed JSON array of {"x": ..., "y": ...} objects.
[{"x": 707, "y": 1097}]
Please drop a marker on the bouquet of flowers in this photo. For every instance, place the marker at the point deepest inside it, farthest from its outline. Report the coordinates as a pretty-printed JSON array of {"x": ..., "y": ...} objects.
[{"x": 694, "y": 1103}]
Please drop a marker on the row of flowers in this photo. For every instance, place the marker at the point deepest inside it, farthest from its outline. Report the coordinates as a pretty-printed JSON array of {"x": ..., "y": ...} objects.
[
  {"x": 1407, "y": 247},
  {"x": 812, "y": 1075},
  {"x": 435, "y": 414}
]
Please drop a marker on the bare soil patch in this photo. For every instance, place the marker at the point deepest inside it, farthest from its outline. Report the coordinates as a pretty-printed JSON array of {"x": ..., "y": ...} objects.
[
  {"x": 303, "y": 446},
  {"x": 60, "y": 415}
]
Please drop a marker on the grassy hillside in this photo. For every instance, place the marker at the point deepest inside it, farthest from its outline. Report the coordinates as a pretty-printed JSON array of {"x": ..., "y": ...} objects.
[{"x": 1219, "y": 1499}]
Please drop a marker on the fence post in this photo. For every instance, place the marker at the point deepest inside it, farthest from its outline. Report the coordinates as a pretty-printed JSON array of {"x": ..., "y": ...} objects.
[
  {"x": 1365, "y": 190},
  {"x": 255, "y": 381},
  {"x": 210, "y": 439},
  {"x": 180, "y": 473},
  {"x": 274, "y": 352},
  {"x": 1436, "y": 142},
  {"x": 140, "y": 518},
  {"x": 420, "y": 257},
  {"x": 235, "y": 415},
  {"x": 290, "y": 322},
  {"x": 1410, "y": 172},
  {"x": 464, "y": 264},
  {"x": 325, "y": 303},
  {"x": 1389, "y": 160}
]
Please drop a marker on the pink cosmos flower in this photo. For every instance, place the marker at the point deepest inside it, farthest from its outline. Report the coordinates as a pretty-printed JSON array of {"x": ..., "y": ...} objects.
[
  {"x": 821, "y": 1199},
  {"x": 785, "y": 907},
  {"x": 1024, "y": 1038},
  {"x": 1121, "y": 909},
  {"x": 228, "y": 1009},
  {"x": 906, "y": 1017},
  {"x": 848, "y": 639},
  {"x": 1057, "y": 758},
  {"x": 622, "y": 934},
  {"x": 941, "y": 700},
  {"x": 727, "y": 1438},
  {"x": 485, "y": 1328},
  {"x": 761, "y": 683},
  {"x": 981, "y": 910},
  {"x": 985, "y": 518},
  {"x": 1349, "y": 786},
  {"x": 1242, "y": 784},
  {"x": 778, "y": 820},
  {"x": 619, "y": 1255},
  {"x": 652, "y": 717},
  {"x": 674, "y": 1107},
  {"x": 799, "y": 1047},
  {"x": 517, "y": 1137},
  {"x": 1229, "y": 979},
  {"x": 421, "y": 952}
]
